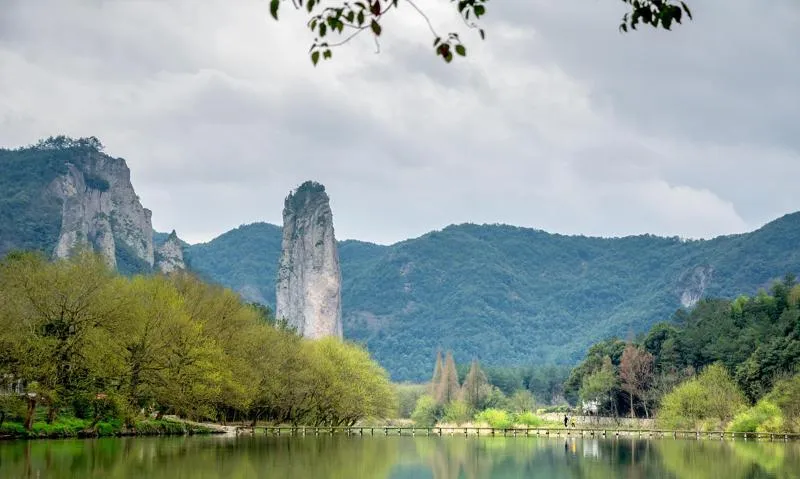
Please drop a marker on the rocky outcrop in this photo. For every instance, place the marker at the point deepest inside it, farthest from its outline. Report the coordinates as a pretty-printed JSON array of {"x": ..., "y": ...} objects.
[
  {"x": 693, "y": 285},
  {"x": 100, "y": 210},
  {"x": 169, "y": 256},
  {"x": 309, "y": 279}
]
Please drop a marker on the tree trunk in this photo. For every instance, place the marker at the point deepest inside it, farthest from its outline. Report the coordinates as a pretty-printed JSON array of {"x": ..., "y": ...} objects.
[
  {"x": 29, "y": 413},
  {"x": 2, "y": 418},
  {"x": 51, "y": 413},
  {"x": 646, "y": 414},
  {"x": 630, "y": 395}
]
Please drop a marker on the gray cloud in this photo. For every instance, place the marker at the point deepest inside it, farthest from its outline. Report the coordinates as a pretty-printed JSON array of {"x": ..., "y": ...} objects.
[{"x": 556, "y": 121}]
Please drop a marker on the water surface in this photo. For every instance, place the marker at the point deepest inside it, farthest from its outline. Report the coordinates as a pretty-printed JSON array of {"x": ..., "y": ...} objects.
[{"x": 397, "y": 458}]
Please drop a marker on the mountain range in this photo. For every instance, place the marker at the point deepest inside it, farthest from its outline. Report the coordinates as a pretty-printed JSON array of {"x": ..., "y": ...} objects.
[{"x": 505, "y": 295}]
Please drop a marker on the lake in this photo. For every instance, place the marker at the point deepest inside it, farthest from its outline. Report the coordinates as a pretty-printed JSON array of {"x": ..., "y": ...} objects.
[{"x": 396, "y": 457}]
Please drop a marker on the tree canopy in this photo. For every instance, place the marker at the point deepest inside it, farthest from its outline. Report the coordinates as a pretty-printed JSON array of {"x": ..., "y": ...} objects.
[{"x": 349, "y": 19}]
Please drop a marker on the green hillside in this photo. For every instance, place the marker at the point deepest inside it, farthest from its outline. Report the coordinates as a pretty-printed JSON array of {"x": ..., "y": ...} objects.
[
  {"x": 502, "y": 294},
  {"x": 244, "y": 259},
  {"x": 510, "y": 295}
]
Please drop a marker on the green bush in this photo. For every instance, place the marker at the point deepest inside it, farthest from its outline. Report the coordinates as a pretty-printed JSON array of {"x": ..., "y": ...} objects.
[
  {"x": 705, "y": 402},
  {"x": 496, "y": 418},
  {"x": 457, "y": 412},
  {"x": 763, "y": 417},
  {"x": 529, "y": 419},
  {"x": 427, "y": 412}
]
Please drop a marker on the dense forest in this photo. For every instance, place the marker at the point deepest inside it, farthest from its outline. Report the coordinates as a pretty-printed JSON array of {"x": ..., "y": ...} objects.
[
  {"x": 85, "y": 342},
  {"x": 510, "y": 296},
  {"x": 706, "y": 367}
]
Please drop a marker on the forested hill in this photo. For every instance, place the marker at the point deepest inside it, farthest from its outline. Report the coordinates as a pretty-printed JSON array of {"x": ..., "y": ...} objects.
[
  {"x": 510, "y": 295},
  {"x": 502, "y": 294}
]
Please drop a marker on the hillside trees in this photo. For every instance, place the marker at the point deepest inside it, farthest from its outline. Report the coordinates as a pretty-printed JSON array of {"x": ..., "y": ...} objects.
[
  {"x": 348, "y": 20},
  {"x": 86, "y": 341}
]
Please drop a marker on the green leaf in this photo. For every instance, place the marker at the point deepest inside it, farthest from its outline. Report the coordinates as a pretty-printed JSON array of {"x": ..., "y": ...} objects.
[
  {"x": 327, "y": 54},
  {"x": 323, "y": 29},
  {"x": 376, "y": 27},
  {"x": 360, "y": 18},
  {"x": 310, "y": 5},
  {"x": 315, "y": 57},
  {"x": 461, "y": 50},
  {"x": 479, "y": 10},
  {"x": 273, "y": 8}
]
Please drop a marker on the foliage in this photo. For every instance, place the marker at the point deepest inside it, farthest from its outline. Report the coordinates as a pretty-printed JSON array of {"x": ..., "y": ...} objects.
[
  {"x": 457, "y": 412},
  {"x": 348, "y": 20},
  {"x": 446, "y": 389},
  {"x": 113, "y": 348},
  {"x": 786, "y": 396},
  {"x": 475, "y": 389},
  {"x": 529, "y": 419},
  {"x": 407, "y": 397},
  {"x": 522, "y": 401},
  {"x": 708, "y": 401},
  {"x": 763, "y": 417},
  {"x": 427, "y": 412},
  {"x": 756, "y": 339},
  {"x": 496, "y": 418}
]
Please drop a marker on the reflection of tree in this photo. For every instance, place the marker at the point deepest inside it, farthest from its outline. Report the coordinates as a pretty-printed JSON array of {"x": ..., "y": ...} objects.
[
  {"x": 730, "y": 460},
  {"x": 404, "y": 457}
]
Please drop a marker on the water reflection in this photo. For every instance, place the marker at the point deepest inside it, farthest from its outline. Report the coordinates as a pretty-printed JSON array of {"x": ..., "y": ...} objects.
[{"x": 398, "y": 458}]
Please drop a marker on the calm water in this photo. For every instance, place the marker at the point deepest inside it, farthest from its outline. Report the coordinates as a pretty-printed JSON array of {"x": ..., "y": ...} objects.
[{"x": 396, "y": 457}]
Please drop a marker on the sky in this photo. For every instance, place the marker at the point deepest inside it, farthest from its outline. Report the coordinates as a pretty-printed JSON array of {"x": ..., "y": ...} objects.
[{"x": 557, "y": 121}]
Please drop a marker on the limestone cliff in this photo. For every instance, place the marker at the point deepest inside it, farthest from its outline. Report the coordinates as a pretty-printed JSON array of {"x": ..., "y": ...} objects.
[
  {"x": 169, "y": 256},
  {"x": 101, "y": 210},
  {"x": 308, "y": 293},
  {"x": 692, "y": 284}
]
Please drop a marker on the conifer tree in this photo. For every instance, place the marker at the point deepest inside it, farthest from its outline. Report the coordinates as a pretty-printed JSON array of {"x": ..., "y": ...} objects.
[
  {"x": 475, "y": 388},
  {"x": 437, "y": 376},
  {"x": 447, "y": 389}
]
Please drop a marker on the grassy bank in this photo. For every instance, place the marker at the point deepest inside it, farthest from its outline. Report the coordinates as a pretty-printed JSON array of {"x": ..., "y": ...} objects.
[{"x": 73, "y": 427}]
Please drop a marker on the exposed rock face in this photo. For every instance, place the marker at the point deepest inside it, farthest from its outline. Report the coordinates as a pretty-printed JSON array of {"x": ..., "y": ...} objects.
[
  {"x": 169, "y": 256},
  {"x": 309, "y": 278},
  {"x": 101, "y": 210},
  {"x": 694, "y": 284}
]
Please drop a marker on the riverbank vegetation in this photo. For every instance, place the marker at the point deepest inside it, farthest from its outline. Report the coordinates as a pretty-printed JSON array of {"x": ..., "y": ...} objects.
[
  {"x": 726, "y": 364},
  {"x": 80, "y": 341},
  {"x": 473, "y": 400}
]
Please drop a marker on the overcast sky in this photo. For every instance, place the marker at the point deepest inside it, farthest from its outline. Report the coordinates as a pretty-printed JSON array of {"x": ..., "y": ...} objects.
[{"x": 557, "y": 121}]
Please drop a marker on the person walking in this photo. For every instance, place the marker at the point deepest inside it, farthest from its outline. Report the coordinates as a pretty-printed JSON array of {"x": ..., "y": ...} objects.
[{"x": 566, "y": 420}]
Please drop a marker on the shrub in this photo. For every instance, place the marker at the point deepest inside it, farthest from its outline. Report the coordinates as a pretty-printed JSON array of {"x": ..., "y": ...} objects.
[
  {"x": 705, "y": 402},
  {"x": 762, "y": 416},
  {"x": 426, "y": 412},
  {"x": 529, "y": 419},
  {"x": 457, "y": 412},
  {"x": 496, "y": 418}
]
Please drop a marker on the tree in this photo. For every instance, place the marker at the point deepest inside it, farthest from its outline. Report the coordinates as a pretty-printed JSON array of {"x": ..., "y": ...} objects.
[
  {"x": 522, "y": 401},
  {"x": 599, "y": 385},
  {"x": 709, "y": 400},
  {"x": 636, "y": 373},
  {"x": 437, "y": 374},
  {"x": 475, "y": 389},
  {"x": 347, "y": 20},
  {"x": 447, "y": 390}
]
